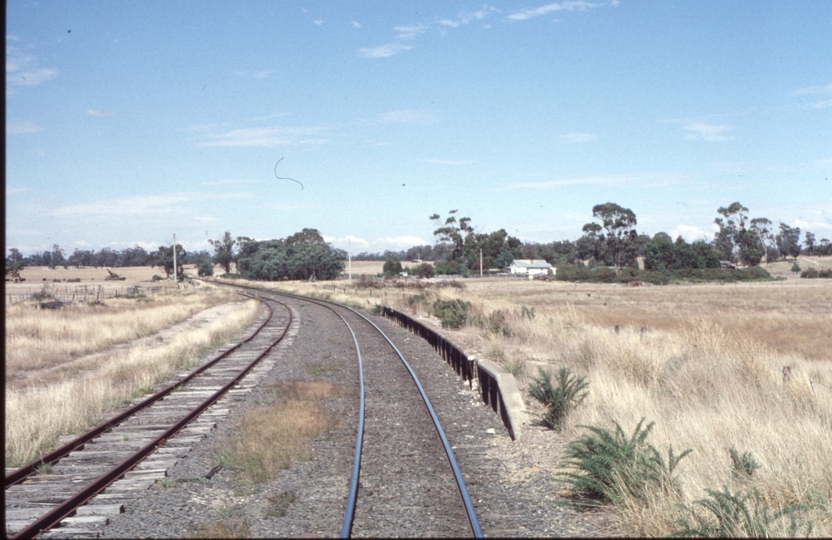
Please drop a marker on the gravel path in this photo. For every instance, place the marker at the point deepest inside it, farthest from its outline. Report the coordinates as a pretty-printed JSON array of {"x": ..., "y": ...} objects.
[{"x": 510, "y": 482}]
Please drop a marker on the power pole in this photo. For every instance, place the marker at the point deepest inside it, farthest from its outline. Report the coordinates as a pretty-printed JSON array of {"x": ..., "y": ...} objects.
[
  {"x": 480, "y": 263},
  {"x": 174, "y": 259},
  {"x": 349, "y": 259}
]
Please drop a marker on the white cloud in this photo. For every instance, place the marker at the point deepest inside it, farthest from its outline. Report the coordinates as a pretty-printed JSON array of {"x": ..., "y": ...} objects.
[
  {"x": 709, "y": 132},
  {"x": 567, "y": 5},
  {"x": 383, "y": 51},
  {"x": 401, "y": 241},
  {"x": 263, "y": 73},
  {"x": 319, "y": 22},
  {"x": 31, "y": 78},
  {"x": 577, "y": 137},
  {"x": 15, "y": 190},
  {"x": 99, "y": 114},
  {"x": 689, "y": 233},
  {"x": 411, "y": 31},
  {"x": 227, "y": 182},
  {"x": 816, "y": 91},
  {"x": 141, "y": 205},
  {"x": 16, "y": 127},
  {"x": 356, "y": 25},
  {"x": 643, "y": 180},
  {"x": 265, "y": 137}
]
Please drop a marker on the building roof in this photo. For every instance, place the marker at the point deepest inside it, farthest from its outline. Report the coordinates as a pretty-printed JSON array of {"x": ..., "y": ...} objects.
[{"x": 530, "y": 263}]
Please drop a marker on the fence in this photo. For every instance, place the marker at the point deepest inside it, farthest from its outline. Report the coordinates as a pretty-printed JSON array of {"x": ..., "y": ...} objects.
[
  {"x": 469, "y": 369},
  {"x": 79, "y": 293}
]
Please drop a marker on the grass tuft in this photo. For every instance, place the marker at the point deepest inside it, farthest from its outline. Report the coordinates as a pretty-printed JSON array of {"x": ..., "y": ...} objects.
[{"x": 560, "y": 396}]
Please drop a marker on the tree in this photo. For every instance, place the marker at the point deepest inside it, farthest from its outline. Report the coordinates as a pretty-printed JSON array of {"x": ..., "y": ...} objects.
[
  {"x": 224, "y": 251},
  {"x": 303, "y": 255},
  {"x": 761, "y": 227},
  {"x": 620, "y": 226},
  {"x": 809, "y": 242},
  {"x": 163, "y": 258},
  {"x": 57, "y": 257},
  {"x": 305, "y": 237},
  {"x": 424, "y": 270},
  {"x": 453, "y": 231},
  {"x": 392, "y": 267},
  {"x": 788, "y": 241},
  {"x": 205, "y": 268}
]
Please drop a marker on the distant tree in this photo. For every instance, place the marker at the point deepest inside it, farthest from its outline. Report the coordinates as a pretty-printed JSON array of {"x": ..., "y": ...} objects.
[
  {"x": 619, "y": 224},
  {"x": 425, "y": 270},
  {"x": 224, "y": 251},
  {"x": 163, "y": 258},
  {"x": 809, "y": 242},
  {"x": 57, "y": 257},
  {"x": 392, "y": 267},
  {"x": 454, "y": 232},
  {"x": 135, "y": 256},
  {"x": 824, "y": 247},
  {"x": 788, "y": 241},
  {"x": 14, "y": 257},
  {"x": 659, "y": 254},
  {"x": 761, "y": 227},
  {"x": 305, "y": 237},
  {"x": 205, "y": 268}
]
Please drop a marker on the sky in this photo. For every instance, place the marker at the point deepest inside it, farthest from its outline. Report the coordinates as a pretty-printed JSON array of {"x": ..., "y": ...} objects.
[{"x": 128, "y": 122}]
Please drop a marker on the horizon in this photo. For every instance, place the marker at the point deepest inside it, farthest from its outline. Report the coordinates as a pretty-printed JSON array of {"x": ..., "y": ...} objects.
[{"x": 127, "y": 124}]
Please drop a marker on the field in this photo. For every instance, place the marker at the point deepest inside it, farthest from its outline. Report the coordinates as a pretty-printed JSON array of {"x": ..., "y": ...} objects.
[
  {"x": 66, "y": 369},
  {"x": 743, "y": 367}
]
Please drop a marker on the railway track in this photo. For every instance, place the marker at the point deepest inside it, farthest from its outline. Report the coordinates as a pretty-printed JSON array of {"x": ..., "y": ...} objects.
[
  {"x": 405, "y": 479},
  {"x": 73, "y": 490}
]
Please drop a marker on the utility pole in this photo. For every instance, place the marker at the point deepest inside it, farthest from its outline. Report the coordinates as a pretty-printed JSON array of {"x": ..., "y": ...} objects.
[
  {"x": 480, "y": 263},
  {"x": 174, "y": 259},
  {"x": 349, "y": 259}
]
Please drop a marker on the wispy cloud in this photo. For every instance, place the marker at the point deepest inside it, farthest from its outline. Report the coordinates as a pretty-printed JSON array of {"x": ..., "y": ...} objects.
[
  {"x": 227, "y": 183},
  {"x": 266, "y": 137},
  {"x": 567, "y": 5},
  {"x": 141, "y": 205},
  {"x": 260, "y": 74},
  {"x": 643, "y": 180},
  {"x": 356, "y": 25},
  {"x": 577, "y": 137},
  {"x": 401, "y": 241},
  {"x": 408, "y": 117},
  {"x": 709, "y": 132},
  {"x": 466, "y": 18},
  {"x": 99, "y": 114},
  {"x": 817, "y": 91},
  {"x": 17, "y": 127},
  {"x": 383, "y": 51},
  {"x": 22, "y": 68}
]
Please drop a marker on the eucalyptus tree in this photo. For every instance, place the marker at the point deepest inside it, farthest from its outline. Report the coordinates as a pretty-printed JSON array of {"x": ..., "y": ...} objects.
[{"x": 620, "y": 226}]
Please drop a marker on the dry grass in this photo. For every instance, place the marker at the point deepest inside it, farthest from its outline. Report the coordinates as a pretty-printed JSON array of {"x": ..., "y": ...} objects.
[
  {"x": 272, "y": 437},
  {"x": 81, "y": 391},
  {"x": 37, "y": 339},
  {"x": 704, "y": 361}
]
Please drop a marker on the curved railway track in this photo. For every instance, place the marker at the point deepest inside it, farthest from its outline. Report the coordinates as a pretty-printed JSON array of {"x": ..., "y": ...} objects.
[
  {"x": 405, "y": 479},
  {"x": 92, "y": 475}
]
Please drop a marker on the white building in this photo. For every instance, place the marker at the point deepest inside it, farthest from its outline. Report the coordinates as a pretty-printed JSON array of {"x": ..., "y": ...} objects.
[{"x": 531, "y": 267}]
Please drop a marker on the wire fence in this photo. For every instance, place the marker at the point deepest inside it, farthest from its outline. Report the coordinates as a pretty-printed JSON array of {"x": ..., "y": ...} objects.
[{"x": 79, "y": 293}]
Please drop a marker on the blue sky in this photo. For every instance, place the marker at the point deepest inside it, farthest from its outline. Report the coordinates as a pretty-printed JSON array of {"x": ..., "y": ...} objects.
[{"x": 127, "y": 122}]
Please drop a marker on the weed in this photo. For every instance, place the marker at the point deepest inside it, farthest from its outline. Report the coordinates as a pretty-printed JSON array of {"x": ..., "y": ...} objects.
[
  {"x": 322, "y": 370},
  {"x": 497, "y": 323},
  {"x": 279, "y": 503},
  {"x": 526, "y": 313},
  {"x": 378, "y": 309},
  {"x": 611, "y": 465},
  {"x": 743, "y": 466},
  {"x": 740, "y": 514},
  {"x": 451, "y": 313},
  {"x": 44, "y": 468},
  {"x": 220, "y": 529},
  {"x": 560, "y": 399},
  {"x": 166, "y": 483},
  {"x": 515, "y": 367}
]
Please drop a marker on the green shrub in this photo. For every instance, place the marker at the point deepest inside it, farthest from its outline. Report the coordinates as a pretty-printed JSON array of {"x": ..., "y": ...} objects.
[
  {"x": 378, "y": 309},
  {"x": 605, "y": 465},
  {"x": 560, "y": 399},
  {"x": 515, "y": 367},
  {"x": 205, "y": 268},
  {"x": 526, "y": 313},
  {"x": 452, "y": 313},
  {"x": 733, "y": 515},
  {"x": 743, "y": 466}
]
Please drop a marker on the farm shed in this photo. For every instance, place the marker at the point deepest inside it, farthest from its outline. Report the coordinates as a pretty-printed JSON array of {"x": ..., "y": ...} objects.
[{"x": 531, "y": 267}]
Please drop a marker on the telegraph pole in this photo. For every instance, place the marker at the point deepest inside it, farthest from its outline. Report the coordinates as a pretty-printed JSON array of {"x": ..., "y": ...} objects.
[
  {"x": 349, "y": 259},
  {"x": 174, "y": 260}
]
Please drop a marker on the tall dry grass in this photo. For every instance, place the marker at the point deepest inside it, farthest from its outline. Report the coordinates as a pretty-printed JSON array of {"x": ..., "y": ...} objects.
[
  {"x": 42, "y": 338},
  {"x": 705, "y": 362},
  {"x": 36, "y": 415}
]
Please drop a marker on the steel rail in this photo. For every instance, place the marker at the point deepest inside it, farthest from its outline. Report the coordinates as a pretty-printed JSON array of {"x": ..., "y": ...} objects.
[
  {"x": 62, "y": 451},
  {"x": 353, "y": 493},
  {"x": 54, "y": 516}
]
